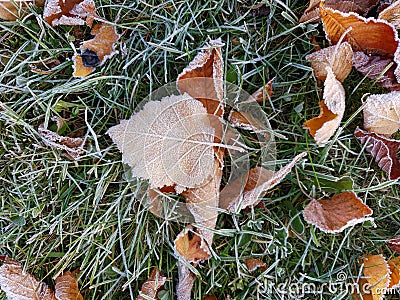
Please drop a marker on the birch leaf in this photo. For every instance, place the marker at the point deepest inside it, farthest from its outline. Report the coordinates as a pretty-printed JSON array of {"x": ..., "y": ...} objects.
[
  {"x": 382, "y": 113},
  {"x": 169, "y": 142},
  {"x": 20, "y": 285}
]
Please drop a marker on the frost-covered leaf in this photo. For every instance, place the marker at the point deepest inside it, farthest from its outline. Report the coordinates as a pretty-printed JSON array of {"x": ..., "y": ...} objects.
[
  {"x": 66, "y": 287},
  {"x": 20, "y": 285},
  {"x": 394, "y": 243},
  {"x": 253, "y": 264},
  {"x": 73, "y": 146},
  {"x": 11, "y": 10},
  {"x": 96, "y": 51},
  {"x": 247, "y": 190},
  {"x": 152, "y": 285},
  {"x": 332, "y": 109},
  {"x": 191, "y": 246},
  {"x": 377, "y": 273},
  {"x": 203, "y": 78},
  {"x": 382, "y": 113},
  {"x": 391, "y": 14},
  {"x": 377, "y": 68},
  {"x": 336, "y": 214},
  {"x": 169, "y": 142},
  {"x": 383, "y": 149},
  {"x": 69, "y": 12},
  {"x": 339, "y": 57},
  {"x": 394, "y": 265}
]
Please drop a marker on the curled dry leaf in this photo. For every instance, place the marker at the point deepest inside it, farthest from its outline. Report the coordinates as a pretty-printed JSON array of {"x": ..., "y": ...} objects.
[
  {"x": 18, "y": 284},
  {"x": 169, "y": 142},
  {"x": 371, "y": 36},
  {"x": 96, "y": 51},
  {"x": 69, "y": 12},
  {"x": 382, "y": 113},
  {"x": 377, "y": 273},
  {"x": 359, "y": 6},
  {"x": 338, "y": 213},
  {"x": 391, "y": 14},
  {"x": 11, "y": 10},
  {"x": 247, "y": 190},
  {"x": 72, "y": 146},
  {"x": 332, "y": 109},
  {"x": 66, "y": 287},
  {"x": 377, "y": 68},
  {"x": 394, "y": 243},
  {"x": 253, "y": 264},
  {"x": 191, "y": 246},
  {"x": 203, "y": 78},
  {"x": 338, "y": 57},
  {"x": 152, "y": 285},
  {"x": 383, "y": 149}
]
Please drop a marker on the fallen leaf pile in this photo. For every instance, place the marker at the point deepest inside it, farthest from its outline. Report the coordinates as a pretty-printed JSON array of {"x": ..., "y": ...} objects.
[
  {"x": 19, "y": 284},
  {"x": 176, "y": 144},
  {"x": 371, "y": 46}
]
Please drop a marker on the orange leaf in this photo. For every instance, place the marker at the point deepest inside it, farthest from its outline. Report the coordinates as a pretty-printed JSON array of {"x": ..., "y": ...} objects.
[
  {"x": 190, "y": 246},
  {"x": 394, "y": 265},
  {"x": 203, "y": 78},
  {"x": 383, "y": 149},
  {"x": 11, "y": 10},
  {"x": 338, "y": 213},
  {"x": 372, "y": 36},
  {"x": 377, "y": 273},
  {"x": 152, "y": 285},
  {"x": 69, "y": 12},
  {"x": 18, "y": 284},
  {"x": 67, "y": 287},
  {"x": 254, "y": 263}
]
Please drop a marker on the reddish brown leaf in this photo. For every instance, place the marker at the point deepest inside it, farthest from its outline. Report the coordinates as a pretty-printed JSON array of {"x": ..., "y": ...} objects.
[
  {"x": 210, "y": 297},
  {"x": 383, "y": 149},
  {"x": 359, "y": 6},
  {"x": 69, "y": 12},
  {"x": 338, "y": 213},
  {"x": 374, "y": 37},
  {"x": 394, "y": 243},
  {"x": 253, "y": 264},
  {"x": 67, "y": 287},
  {"x": 377, "y": 68},
  {"x": 203, "y": 78},
  {"x": 11, "y": 10},
  {"x": 152, "y": 285},
  {"x": 20, "y": 285}
]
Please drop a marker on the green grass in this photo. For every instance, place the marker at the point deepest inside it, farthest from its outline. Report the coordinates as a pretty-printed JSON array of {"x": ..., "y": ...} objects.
[{"x": 58, "y": 214}]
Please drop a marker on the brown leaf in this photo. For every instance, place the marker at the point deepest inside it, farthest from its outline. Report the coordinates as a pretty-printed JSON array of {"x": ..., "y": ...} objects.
[
  {"x": 11, "y": 10},
  {"x": 332, "y": 109},
  {"x": 377, "y": 68},
  {"x": 383, "y": 149},
  {"x": 210, "y": 297},
  {"x": 190, "y": 246},
  {"x": 391, "y": 14},
  {"x": 253, "y": 264},
  {"x": 72, "y": 146},
  {"x": 20, "y": 285},
  {"x": 152, "y": 285},
  {"x": 203, "y": 78},
  {"x": 338, "y": 57},
  {"x": 96, "y": 51},
  {"x": 69, "y": 12},
  {"x": 374, "y": 37},
  {"x": 338, "y": 213},
  {"x": 377, "y": 273},
  {"x": 359, "y": 6},
  {"x": 263, "y": 93},
  {"x": 247, "y": 190},
  {"x": 382, "y": 113},
  {"x": 186, "y": 281},
  {"x": 67, "y": 287},
  {"x": 394, "y": 243}
]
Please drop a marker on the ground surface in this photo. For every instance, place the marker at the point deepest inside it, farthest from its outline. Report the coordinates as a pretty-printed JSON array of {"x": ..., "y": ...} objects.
[{"x": 59, "y": 214}]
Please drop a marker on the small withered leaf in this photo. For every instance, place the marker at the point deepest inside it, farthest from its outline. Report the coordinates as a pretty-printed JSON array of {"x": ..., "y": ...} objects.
[
  {"x": 338, "y": 213},
  {"x": 152, "y": 285},
  {"x": 253, "y": 264},
  {"x": 394, "y": 243},
  {"x": 66, "y": 287},
  {"x": 383, "y": 149},
  {"x": 69, "y": 12},
  {"x": 190, "y": 246}
]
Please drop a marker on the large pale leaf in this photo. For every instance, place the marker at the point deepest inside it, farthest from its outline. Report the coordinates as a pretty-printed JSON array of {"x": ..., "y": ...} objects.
[
  {"x": 169, "y": 142},
  {"x": 20, "y": 285},
  {"x": 382, "y": 113},
  {"x": 332, "y": 109},
  {"x": 336, "y": 214},
  {"x": 383, "y": 149}
]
